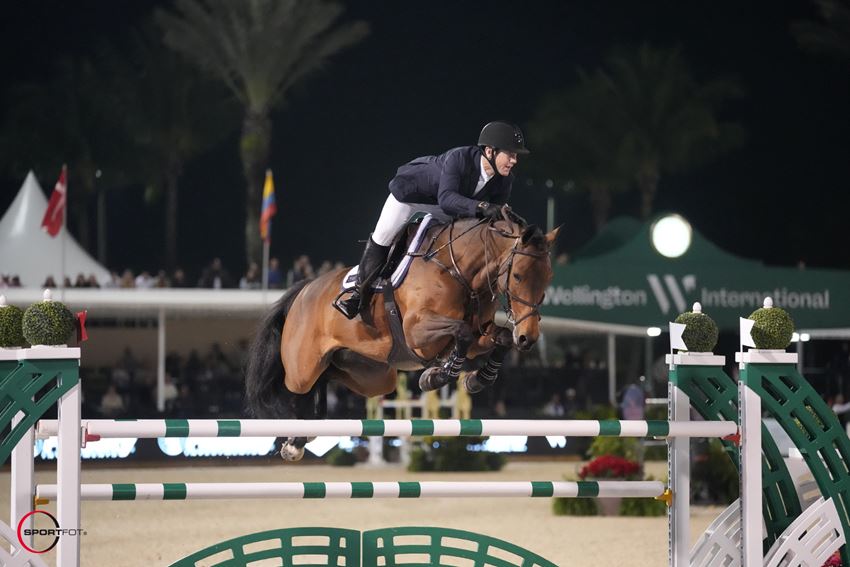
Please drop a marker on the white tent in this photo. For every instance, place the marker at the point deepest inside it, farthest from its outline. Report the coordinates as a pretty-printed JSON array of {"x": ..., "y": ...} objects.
[{"x": 28, "y": 251}]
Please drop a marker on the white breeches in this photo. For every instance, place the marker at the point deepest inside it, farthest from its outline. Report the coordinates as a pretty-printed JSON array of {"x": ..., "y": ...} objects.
[{"x": 395, "y": 214}]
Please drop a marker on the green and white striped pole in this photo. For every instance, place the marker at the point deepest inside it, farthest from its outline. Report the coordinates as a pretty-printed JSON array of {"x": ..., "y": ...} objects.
[
  {"x": 304, "y": 490},
  {"x": 157, "y": 428}
]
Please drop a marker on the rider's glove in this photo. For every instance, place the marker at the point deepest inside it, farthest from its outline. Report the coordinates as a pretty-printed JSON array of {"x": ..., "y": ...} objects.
[{"x": 487, "y": 210}]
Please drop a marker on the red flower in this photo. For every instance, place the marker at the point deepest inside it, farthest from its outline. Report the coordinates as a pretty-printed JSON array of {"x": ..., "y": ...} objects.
[
  {"x": 834, "y": 561},
  {"x": 610, "y": 466}
]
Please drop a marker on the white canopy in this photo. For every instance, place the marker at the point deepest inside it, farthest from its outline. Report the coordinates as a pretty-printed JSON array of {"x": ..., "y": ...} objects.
[{"x": 28, "y": 251}]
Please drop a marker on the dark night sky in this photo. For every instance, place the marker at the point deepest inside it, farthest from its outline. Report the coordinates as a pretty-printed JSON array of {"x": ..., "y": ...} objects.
[{"x": 431, "y": 74}]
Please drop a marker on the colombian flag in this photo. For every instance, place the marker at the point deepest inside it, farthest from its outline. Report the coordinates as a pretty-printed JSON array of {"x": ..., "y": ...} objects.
[{"x": 269, "y": 208}]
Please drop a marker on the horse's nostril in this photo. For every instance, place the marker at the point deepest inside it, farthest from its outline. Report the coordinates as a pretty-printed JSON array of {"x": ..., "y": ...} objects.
[{"x": 522, "y": 340}]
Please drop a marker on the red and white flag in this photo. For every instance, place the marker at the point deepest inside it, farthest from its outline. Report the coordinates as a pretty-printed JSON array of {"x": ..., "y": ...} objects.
[{"x": 55, "y": 213}]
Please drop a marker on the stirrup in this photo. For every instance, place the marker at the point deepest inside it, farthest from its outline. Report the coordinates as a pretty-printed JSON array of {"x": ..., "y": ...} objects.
[{"x": 346, "y": 306}]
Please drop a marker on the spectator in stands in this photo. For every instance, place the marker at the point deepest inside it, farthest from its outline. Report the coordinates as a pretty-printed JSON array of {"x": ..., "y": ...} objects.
[
  {"x": 193, "y": 367},
  {"x": 215, "y": 276},
  {"x": 161, "y": 280},
  {"x": 127, "y": 280},
  {"x": 10, "y": 281},
  {"x": 275, "y": 275},
  {"x": 81, "y": 280},
  {"x": 92, "y": 282},
  {"x": 554, "y": 407},
  {"x": 179, "y": 279},
  {"x": 114, "y": 280},
  {"x": 66, "y": 282},
  {"x": 570, "y": 404},
  {"x": 632, "y": 406},
  {"x": 301, "y": 269},
  {"x": 170, "y": 393},
  {"x": 325, "y": 268},
  {"x": 49, "y": 282},
  {"x": 185, "y": 405},
  {"x": 251, "y": 279},
  {"x": 144, "y": 280},
  {"x": 111, "y": 404}
]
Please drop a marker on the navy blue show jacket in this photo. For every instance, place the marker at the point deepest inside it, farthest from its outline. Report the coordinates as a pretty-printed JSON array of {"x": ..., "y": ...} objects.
[{"x": 449, "y": 180}]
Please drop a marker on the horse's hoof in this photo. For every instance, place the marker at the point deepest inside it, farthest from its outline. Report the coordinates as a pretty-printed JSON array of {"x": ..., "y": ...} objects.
[
  {"x": 473, "y": 384},
  {"x": 291, "y": 453},
  {"x": 432, "y": 379}
]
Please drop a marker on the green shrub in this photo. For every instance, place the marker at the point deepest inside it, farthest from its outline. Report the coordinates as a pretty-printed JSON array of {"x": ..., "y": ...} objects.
[
  {"x": 11, "y": 331},
  {"x": 714, "y": 476},
  {"x": 339, "y": 458},
  {"x": 419, "y": 461},
  {"x": 574, "y": 507},
  {"x": 772, "y": 329},
  {"x": 621, "y": 446},
  {"x": 453, "y": 454},
  {"x": 642, "y": 507},
  {"x": 655, "y": 452},
  {"x": 599, "y": 411},
  {"x": 700, "y": 333},
  {"x": 48, "y": 323}
]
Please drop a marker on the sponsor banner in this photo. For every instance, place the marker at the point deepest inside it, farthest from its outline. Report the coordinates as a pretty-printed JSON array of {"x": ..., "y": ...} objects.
[{"x": 814, "y": 298}]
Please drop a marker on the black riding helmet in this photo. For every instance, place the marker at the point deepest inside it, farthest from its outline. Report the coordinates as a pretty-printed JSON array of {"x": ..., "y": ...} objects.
[{"x": 503, "y": 136}]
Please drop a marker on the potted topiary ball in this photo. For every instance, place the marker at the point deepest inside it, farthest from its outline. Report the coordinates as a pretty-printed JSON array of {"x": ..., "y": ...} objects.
[
  {"x": 48, "y": 322},
  {"x": 11, "y": 334},
  {"x": 773, "y": 327},
  {"x": 700, "y": 330}
]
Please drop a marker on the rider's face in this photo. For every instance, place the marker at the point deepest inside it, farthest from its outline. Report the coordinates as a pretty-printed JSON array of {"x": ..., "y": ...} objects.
[{"x": 505, "y": 161}]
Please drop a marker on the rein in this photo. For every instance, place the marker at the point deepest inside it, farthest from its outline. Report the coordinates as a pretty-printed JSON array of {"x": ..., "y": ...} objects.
[{"x": 505, "y": 269}]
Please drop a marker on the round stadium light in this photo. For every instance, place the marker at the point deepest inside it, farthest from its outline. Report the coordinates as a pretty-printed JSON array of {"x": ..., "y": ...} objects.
[
  {"x": 671, "y": 235},
  {"x": 653, "y": 331}
]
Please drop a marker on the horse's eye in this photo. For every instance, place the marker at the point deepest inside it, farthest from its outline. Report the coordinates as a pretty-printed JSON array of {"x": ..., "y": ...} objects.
[{"x": 518, "y": 277}]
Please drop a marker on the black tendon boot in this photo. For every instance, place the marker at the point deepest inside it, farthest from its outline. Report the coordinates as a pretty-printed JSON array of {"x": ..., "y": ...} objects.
[{"x": 374, "y": 257}]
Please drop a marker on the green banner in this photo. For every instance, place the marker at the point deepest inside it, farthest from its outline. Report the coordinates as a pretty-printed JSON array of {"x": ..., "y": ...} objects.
[{"x": 635, "y": 285}]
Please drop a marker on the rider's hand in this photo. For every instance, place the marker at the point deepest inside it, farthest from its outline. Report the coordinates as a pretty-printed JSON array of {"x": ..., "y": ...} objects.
[{"x": 489, "y": 211}]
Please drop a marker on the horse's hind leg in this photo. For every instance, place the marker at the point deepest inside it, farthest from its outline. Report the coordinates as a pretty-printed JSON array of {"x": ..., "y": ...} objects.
[{"x": 312, "y": 405}]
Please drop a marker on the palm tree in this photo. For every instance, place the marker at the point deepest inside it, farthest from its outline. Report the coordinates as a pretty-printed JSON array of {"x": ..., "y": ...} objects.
[
  {"x": 669, "y": 120},
  {"x": 259, "y": 49},
  {"x": 166, "y": 110},
  {"x": 832, "y": 34},
  {"x": 577, "y": 140}
]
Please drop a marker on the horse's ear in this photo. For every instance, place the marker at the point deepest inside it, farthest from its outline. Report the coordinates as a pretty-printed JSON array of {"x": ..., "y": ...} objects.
[
  {"x": 531, "y": 234},
  {"x": 553, "y": 235}
]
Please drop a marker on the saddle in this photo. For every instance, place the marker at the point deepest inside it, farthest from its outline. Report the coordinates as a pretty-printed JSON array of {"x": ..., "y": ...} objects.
[
  {"x": 407, "y": 242},
  {"x": 390, "y": 277}
]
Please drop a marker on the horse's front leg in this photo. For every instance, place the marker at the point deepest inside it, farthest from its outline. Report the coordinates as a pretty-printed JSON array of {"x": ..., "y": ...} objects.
[
  {"x": 487, "y": 374},
  {"x": 432, "y": 328}
]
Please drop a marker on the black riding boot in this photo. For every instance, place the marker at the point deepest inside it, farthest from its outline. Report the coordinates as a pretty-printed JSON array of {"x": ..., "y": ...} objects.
[{"x": 374, "y": 257}]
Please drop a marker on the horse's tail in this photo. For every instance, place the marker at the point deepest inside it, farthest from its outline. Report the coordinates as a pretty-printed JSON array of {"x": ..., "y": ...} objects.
[{"x": 266, "y": 397}]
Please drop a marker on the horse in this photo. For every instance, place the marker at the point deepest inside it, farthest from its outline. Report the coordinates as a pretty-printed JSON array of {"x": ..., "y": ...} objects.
[{"x": 447, "y": 305}]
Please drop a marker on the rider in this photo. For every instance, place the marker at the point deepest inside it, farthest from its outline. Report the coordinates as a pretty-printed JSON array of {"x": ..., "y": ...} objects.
[{"x": 469, "y": 181}]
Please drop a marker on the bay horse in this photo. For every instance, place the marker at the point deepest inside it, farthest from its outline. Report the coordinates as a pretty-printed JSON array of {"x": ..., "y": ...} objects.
[{"x": 447, "y": 304}]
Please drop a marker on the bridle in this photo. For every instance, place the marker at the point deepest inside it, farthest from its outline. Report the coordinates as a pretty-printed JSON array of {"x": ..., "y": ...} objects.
[
  {"x": 511, "y": 296},
  {"x": 493, "y": 283}
]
